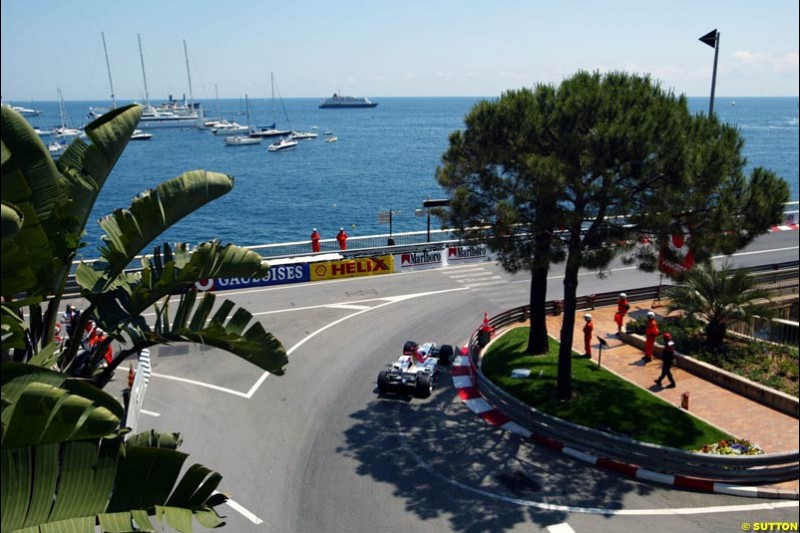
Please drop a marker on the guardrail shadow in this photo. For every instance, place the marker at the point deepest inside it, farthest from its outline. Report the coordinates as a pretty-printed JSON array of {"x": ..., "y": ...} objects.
[{"x": 446, "y": 463}]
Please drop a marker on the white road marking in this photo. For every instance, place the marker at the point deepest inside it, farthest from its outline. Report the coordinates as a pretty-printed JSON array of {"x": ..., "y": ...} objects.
[
  {"x": 348, "y": 306},
  {"x": 470, "y": 273},
  {"x": 242, "y": 511},
  {"x": 484, "y": 278},
  {"x": 758, "y": 252},
  {"x": 488, "y": 283},
  {"x": 149, "y": 413},
  {"x": 207, "y": 385},
  {"x": 388, "y": 301},
  {"x": 256, "y": 385},
  {"x": 249, "y": 394}
]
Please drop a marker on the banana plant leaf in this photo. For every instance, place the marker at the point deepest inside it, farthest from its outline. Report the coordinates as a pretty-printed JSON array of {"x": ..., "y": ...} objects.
[
  {"x": 32, "y": 183},
  {"x": 86, "y": 167},
  {"x": 121, "y": 304},
  {"x": 41, "y": 406},
  {"x": 11, "y": 219},
  {"x": 228, "y": 328},
  {"x": 76, "y": 485},
  {"x": 129, "y": 231}
]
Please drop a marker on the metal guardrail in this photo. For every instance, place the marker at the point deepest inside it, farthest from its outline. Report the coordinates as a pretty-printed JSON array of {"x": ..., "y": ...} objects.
[{"x": 768, "y": 468}]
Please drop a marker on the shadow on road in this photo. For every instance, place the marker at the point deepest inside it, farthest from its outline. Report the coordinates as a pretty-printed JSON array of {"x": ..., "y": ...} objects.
[{"x": 445, "y": 462}]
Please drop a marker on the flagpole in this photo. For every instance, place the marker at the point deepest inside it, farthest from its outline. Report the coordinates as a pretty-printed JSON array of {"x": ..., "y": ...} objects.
[{"x": 712, "y": 40}]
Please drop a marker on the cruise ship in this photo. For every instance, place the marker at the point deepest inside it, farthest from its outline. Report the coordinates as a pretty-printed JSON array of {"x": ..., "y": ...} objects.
[{"x": 337, "y": 101}]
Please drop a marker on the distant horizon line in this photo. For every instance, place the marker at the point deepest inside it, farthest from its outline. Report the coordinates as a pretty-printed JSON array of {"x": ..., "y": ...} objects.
[{"x": 267, "y": 97}]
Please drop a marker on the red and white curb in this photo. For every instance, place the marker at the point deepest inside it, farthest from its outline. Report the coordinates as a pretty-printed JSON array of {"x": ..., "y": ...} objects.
[
  {"x": 783, "y": 227},
  {"x": 463, "y": 372}
]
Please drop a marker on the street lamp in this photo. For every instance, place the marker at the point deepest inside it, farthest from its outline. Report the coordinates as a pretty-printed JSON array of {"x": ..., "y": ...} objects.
[{"x": 427, "y": 204}]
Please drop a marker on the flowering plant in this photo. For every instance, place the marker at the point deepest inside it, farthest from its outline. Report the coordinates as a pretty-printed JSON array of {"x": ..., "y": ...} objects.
[{"x": 733, "y": 447}]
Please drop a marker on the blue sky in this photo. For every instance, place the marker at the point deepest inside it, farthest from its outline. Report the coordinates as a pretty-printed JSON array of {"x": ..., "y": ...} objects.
[{"x": 399, "y": 48}]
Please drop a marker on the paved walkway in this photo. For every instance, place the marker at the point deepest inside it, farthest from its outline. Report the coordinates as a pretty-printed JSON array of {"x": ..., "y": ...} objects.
[{"x": 737, "y": 415}]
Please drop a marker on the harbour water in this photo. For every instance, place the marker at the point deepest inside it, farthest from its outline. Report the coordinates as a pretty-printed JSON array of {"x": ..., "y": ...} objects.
[{"x": 385, "y": 159}]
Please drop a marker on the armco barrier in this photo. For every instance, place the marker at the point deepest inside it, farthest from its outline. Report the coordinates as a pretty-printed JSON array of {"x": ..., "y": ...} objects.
[{"x": 754, "y": 469}]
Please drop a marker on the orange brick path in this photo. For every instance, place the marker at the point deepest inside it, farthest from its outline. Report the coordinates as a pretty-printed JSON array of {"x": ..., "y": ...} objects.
[{"x": 737, "y": 415}]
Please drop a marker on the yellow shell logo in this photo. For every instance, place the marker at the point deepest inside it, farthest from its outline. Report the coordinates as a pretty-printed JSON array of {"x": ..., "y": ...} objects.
[{"x": 320, "y": 270}]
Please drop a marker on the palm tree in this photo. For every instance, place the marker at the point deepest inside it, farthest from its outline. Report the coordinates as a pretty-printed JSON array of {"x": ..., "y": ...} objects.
[
  {"x": 66, "y": 462},
  {"x": 719, "y": 298}
]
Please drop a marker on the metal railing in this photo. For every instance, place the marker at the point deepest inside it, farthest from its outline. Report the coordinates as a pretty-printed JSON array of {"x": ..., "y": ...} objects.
[
  {"x": 775, "y": 330},
  {"x": 768, "y": 468}
]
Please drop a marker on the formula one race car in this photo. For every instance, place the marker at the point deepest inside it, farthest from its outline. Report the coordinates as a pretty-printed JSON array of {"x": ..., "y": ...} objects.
[
  {"x": 444, "y": 353},
  {"x": 416, "y": 370}
]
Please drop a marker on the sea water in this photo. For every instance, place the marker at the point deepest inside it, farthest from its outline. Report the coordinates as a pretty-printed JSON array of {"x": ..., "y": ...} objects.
[{"x": 385, "y": 159}]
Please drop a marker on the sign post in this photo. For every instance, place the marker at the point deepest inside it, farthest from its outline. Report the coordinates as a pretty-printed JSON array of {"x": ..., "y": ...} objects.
[
  {"x": 712, "y": 39},
  {"x": 427, "y": 204},
  {"x": 385, "y": 217},
  {"x": 603, "y": 344}
]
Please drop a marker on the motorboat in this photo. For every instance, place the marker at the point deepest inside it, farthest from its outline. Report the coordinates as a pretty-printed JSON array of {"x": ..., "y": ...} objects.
[
  {"x": 282, "y": 145},
  {"x": 338, "y": 101},
  {"x": 328, "y": 132},
  {"x": 56, "y": 148},
  {"x": 332, "y": 139},
  {"x": 231, "y": 128},
  {"x": 139, "y": 135},
  {"x": 24, "y": 111},
  {"x": 241, "y": 140},
  {"x": 64, "y": 131},
  {"x": 303, "y": 135}
]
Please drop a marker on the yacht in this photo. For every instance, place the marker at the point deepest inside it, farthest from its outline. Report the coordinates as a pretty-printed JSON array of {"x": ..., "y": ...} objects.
[
  {"x": 139, "y": 135},
  {"x": 282, "y": 145},
  {"x": 230, "y": 128},
  {"x": 56, "y": 148},
  {"x": 301, "y": 135},
  {"x": 338, "y": 101},
  {"x": 173, "y": 113},
  {"x": 241, "y": 140},
  {"x": 24, "y": 111},
  {"x": 269, "y": 131}
]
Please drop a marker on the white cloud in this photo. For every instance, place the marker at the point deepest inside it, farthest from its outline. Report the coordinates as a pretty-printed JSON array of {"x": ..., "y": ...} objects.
[{"x": 757, "y": 61}]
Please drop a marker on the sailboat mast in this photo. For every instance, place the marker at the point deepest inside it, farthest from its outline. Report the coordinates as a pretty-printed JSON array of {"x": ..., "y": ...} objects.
[
  {"x": 216, "y": 95},
  {"x": 188, "y": 74},
  {"x": 144, "y": 76},
  {"x": 272, "y": 83},
  {"x": 108, "y": 67},
  {"x": 61, "y": 109},
  {"x": 247, "y": 111}
]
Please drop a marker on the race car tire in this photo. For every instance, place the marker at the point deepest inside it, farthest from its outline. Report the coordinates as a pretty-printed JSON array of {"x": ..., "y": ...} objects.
[
  {"x": 383, "y": 382},
  {"x": 424, "y": 386},
  {"x": 409, "y": 347},
  {"x": 446, "y": 354}
]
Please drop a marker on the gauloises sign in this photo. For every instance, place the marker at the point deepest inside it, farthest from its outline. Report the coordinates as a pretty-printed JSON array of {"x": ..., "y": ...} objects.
[
  {"x": 351, "y": 268},
  {"x": 278, "y": 275},
  {"x": 457, "y": 253}
]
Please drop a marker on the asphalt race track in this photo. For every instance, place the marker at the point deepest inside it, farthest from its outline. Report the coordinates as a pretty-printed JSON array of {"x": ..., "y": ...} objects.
[{"x": 317, "y": 450}]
